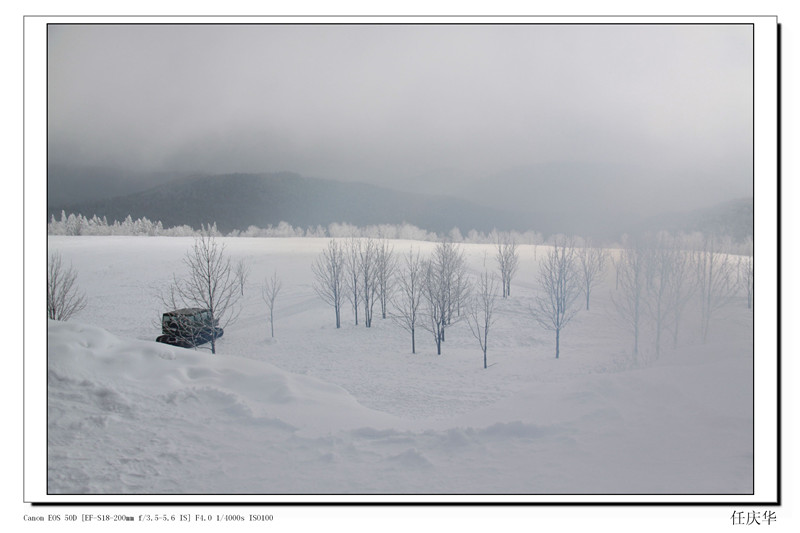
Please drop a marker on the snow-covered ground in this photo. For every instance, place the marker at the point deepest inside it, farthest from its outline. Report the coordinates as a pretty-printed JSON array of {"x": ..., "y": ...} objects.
[{"x": 320, "y": 410}]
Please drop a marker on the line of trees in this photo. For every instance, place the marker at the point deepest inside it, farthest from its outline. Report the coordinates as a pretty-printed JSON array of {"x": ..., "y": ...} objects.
[
  {"x": 361, "y": 270},
  {"x": 415, "y": 293},
  {"x": 78, "y": 224},
  {"x": 658, "y": 278},
  {"x": 73, "y": 224}
]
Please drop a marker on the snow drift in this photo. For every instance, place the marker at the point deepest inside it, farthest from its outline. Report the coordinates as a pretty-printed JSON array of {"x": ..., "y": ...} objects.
[
  {"x": 320, "y": 410},
  {"x": 129, "y": 416}
]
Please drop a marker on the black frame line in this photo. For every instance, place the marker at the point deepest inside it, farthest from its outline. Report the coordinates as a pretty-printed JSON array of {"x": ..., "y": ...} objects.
[{"x": 429, "y": 20}]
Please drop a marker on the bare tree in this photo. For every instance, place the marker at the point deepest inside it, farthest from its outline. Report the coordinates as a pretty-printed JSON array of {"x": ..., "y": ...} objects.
[
  {"x": 210, "y": 283},
  {"x": 352, "y": 262},
  {"x": 630, "y": 299},
  {"x": 449, "y": 283},
  {"x": 242, "y": 272},
  {"x": 592, "y": 264},
  {"x": 367, "y": 270},
  {"x": 269, "y": 292},
  {"x": 435, "y": 297},
  {"x": 716, "y": 281},
  {"x": 659, "y": 272},
  {"x": 559, "y": 280},
  {"x": 406, "y": 300},
  {"x": 386, "y": 266},
  {"x": 682, "y": 286},
  {"x": 64, "y": 299},
  {"x": 329, "y": 277},
  {"x": 458, "y": 296},
  {"x": 616, "y": 265},
  {"x": 481, "y": 311},
  {"x": 507, "y": 261}
]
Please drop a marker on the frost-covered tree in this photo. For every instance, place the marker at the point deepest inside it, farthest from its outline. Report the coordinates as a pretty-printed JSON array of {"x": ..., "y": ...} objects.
[
  {"x": 434, "y": 295},
  {"x": 450, "y": 282},
  {"x": 210, "y": 282},
  {"x": 269, "y": 292},
  {"x": 716, "y": 280},
  {"x": 507, "y": 261},
  {"x": 386, "y": 267},
  {"x": 682, "y": 286},
  {"x": 317, "y": 232},
  {"x": 560, "y": 286},
  {"x": 64, "y": 299},
  {"x": 661, "y": 257},
  {"x": 746, "y": 272},
  {"x": 592, "y": 263},
  {"x": 480, "y": 315},
  {"x": 368, "y": 277},
  {"x": 445, "y": 290},
  {"x": 629, "y": 300},
  {"x": 406, "y": 300},
  {"x": 746, "y": 269},
  {"x": 352, "y": 277},
  {"x": 329, "y": 277},
  {"x": 75, "y": 224},
  {"x": 242, "y": 272}
]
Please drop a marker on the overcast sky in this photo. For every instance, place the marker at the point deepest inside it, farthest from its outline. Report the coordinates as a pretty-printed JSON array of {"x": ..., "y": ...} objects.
[{"x": 388, "y": 103}]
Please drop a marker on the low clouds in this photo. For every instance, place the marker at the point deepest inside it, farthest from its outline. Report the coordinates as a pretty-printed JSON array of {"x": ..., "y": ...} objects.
[{"x": 387, "y": 103}]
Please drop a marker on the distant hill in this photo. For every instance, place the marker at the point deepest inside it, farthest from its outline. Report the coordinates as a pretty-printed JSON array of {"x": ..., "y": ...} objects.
[
  {"x": 733, "y": 218},
  {"x": 600, "y": 199},
  {"x": 69, "y": 184},
  {"x": 237, "y": 201}
]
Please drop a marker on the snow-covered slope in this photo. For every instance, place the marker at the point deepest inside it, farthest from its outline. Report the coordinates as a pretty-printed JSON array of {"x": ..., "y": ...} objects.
[{"x": 324, "y": 411}]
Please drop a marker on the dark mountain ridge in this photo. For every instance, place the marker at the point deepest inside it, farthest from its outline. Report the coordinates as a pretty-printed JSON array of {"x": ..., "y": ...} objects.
[{"x": 237, "y": 201}]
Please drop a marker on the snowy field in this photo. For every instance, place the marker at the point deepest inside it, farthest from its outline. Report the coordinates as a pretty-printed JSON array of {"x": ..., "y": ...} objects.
[{"x": 320, "y": 410}]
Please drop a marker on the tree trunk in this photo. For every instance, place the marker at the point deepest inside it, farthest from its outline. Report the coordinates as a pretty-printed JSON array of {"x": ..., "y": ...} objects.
[
  {"x": 675, "y": 336},
  {"x": 271, "y": 325},
  {"x": 558, "y": 335}
]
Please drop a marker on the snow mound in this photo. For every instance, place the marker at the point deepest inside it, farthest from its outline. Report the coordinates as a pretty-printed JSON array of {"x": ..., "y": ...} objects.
[
  {"x": 137, "y": 417},
  {"x": 113, "y": 370}
]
